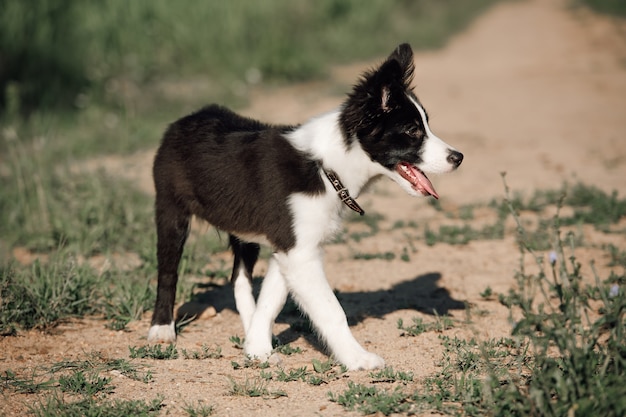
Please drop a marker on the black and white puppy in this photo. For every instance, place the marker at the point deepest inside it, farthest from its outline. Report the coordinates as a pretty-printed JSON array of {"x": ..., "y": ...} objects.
[{"x": 288, "y": 186}]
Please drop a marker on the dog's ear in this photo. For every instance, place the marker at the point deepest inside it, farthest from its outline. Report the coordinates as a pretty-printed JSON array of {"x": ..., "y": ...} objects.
[
  {"x": 397, "y": 70},
  {"x": 403, "y": 55},
  {"x": 378, "y": 92}
]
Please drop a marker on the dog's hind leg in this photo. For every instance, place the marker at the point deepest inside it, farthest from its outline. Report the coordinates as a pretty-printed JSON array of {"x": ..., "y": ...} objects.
[
  {"x": 172, "y": 230},
  {"x": 304, "y": 274},
  {"x": 246, "y": 255},
  {"x": 271, "y": 300}
]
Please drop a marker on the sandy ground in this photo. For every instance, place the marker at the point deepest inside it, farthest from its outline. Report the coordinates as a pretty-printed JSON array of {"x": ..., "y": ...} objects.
[{"x": 532, "y": 88}]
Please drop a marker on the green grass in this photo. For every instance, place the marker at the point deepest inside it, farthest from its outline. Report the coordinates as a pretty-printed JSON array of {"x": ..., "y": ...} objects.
[
  {"x": 199, "y": 410},
  {"x": 590, "y": 206},
  {"x": 237, "y": 341},
  {"x": 611, "y": 7},
  {"x": 44, "y": 207},
  {"x": 44, "y": 294},
  {"x": 371, "y": 399},
  {"x": 88, "y": 385},
  {"x": 90, "y": 407},
  {"x": 254, "y": 388},
  {"x": 204, "y": 353},
  {"x": 323, "y": 373},
  {"x": 418, "y": 327},
  {"x": 91, "y": 51},
  {"x": 560, "y": 359},
  {"x": 154, "y": 352},
  {"x": 385, "y": 256},
  {"x": 47, "y": 293},
  {"x": 250, "y": 364},
  {"x": 388, "y": 374},
  {"x": 76, "y": 388},
  {"x": 299, "y": 374},
  {"x": 565, "y": 354},
  {"x": 97, "y": 363},
  {"x": 287, "y": 350},
  {"x": 24, "y": 385}
]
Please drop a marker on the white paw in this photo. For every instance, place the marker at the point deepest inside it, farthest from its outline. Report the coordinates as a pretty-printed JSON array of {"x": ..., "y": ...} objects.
[
  {"x": 364, "y": 361},
  {"x": 162, "y": 333},
  {"x": 258, "y": 351}
]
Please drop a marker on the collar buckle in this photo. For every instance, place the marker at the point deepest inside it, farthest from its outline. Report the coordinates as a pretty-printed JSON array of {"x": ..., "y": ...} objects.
[{"x": 342, "y": 192}]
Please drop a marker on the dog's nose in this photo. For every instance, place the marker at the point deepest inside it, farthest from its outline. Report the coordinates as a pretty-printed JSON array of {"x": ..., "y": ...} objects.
[{"x": 455, "y": 158}]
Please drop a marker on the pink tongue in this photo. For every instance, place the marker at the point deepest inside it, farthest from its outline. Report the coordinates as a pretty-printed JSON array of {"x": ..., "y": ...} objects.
[{"x": 417, "y": 178}]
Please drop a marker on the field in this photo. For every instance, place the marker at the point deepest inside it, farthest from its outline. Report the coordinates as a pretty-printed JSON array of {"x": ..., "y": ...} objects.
[{"x": 504, "y": 297}]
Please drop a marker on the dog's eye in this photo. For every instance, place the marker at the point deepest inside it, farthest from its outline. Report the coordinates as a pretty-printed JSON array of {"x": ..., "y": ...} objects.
[{"x": 412, "y": 131}]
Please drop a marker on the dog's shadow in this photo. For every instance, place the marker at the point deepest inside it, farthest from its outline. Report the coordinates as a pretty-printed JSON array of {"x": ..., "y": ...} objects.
[{"x": 421, "y": 293}]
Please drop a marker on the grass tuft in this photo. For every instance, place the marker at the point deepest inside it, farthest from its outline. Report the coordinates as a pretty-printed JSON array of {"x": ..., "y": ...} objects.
[
  {"x": 154, "y": 352},
  {"x": 372, "y": 400},
  {"x": 88, "y": 407},
  {"x": 45, "y": 294}
]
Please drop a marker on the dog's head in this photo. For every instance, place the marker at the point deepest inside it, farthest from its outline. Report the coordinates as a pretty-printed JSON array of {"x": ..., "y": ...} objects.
[{"x": 383, "y": 114}]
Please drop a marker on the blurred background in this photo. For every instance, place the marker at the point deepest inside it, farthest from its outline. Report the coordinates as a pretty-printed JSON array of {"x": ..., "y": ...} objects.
[
  {"x": 113, "y": 61},
  {"x": 64, "y": 53},
  {"x": 86, "y": 78}
]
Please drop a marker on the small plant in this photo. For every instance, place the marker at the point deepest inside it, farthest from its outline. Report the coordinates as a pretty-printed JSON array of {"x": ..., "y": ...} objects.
[
  {"x": 324, "y": 372},
  {"x": 298, "y": 374},
  {"x": 200, "y": 410},
  {"x": 418, "y": 327},
  {"x": 287, "y": 349},
  {"x": 487, "y": 293},
  {"x": 387, "y": 374},
  {"x": 253, "y": 388},
  {"x": 442, "y": 323},
  {"x": 460, "y": 235},
  {"x": 96, "y": 362},
  {"x": 154, "y": 352},
  {"x": 618, "y": 256},
  {"x": 24, "y": 385},
  {"x": 371, "y": 400},
  {"x": 237, "y": 341},
  {"x": 90, "y": 385},
  {"x": 385, "y": 256},
  {"x": 322, "y": 367},
  {"x": 266, "y": 375},
  {"x": 250, "y": 364},
  {"x": 401, "y": 224},
  {"x": 204, "y": 353}
]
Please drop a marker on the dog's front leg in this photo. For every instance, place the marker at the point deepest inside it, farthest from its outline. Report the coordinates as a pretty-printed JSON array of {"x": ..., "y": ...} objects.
[
  {"x": 258, "y": 344},
  {"x": 304, "y": 272},
  {"x": 244, "y": 300}
]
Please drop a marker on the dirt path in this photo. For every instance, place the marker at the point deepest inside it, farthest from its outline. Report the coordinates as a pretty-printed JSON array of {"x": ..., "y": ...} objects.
[{"x": 532, "y": 88}]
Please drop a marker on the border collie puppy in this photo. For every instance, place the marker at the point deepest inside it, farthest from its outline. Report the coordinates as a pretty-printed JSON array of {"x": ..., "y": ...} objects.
[{"x": 288, "y": 186}]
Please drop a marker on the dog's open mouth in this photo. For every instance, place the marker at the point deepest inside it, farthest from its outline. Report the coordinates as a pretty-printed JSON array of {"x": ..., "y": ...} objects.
[{"x": 417, "y": 178}]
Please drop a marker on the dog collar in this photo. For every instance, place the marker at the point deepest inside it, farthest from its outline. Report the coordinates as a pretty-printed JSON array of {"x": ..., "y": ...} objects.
[{"x": 342, "y": 192}]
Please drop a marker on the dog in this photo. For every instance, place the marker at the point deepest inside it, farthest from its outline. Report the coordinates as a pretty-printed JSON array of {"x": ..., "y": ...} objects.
[{"x": 289, "y": 186}]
